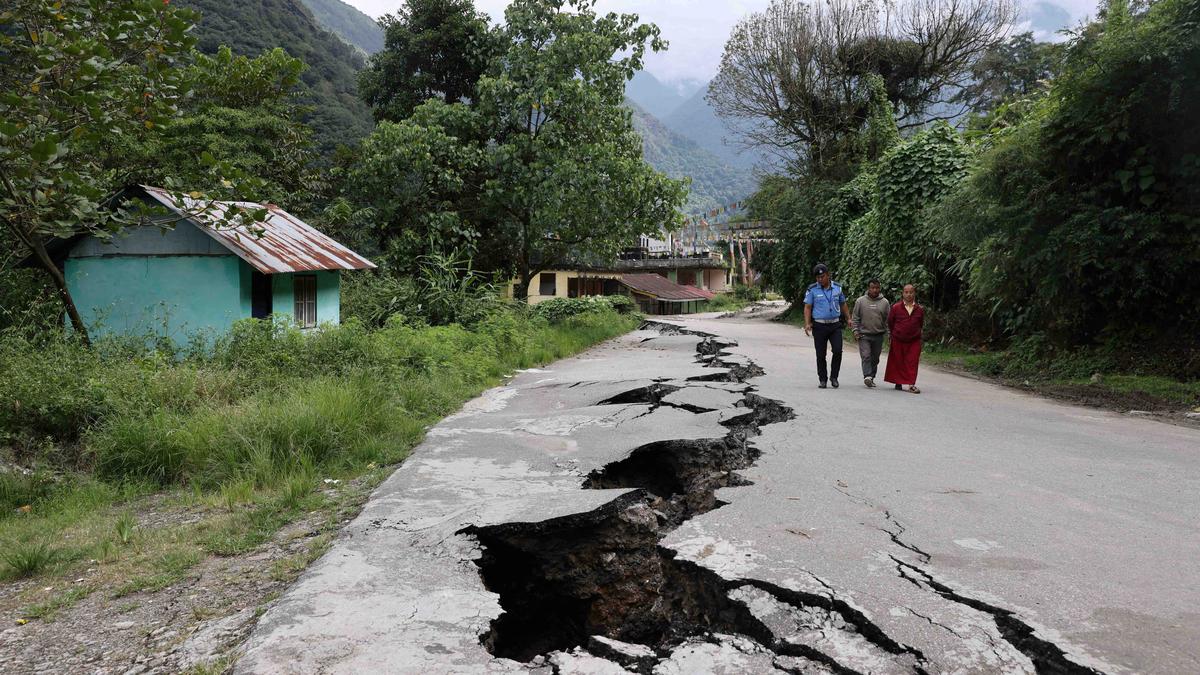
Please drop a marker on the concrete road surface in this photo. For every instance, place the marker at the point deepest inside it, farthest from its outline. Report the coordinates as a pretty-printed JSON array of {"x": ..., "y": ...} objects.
[{"x": 672, "y": 503}]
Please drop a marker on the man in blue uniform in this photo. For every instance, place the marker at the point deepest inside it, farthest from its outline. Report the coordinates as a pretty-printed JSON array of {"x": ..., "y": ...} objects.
[{"x": 825, "y": 312}]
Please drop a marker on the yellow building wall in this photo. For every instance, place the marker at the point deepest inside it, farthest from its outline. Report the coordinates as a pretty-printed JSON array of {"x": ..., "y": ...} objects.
[
  {"x": 561, "y": 278},
  {"x": 714, "y": 280}
]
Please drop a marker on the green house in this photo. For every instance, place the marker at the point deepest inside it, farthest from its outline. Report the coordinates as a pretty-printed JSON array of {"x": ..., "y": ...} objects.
[{"x": 201, "y": 275}]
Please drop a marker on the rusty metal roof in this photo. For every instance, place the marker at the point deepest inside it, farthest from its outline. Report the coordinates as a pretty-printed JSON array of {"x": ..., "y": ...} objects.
[
  {"x": 285, "y": 243},
  {"x": 663, "y": 288}
]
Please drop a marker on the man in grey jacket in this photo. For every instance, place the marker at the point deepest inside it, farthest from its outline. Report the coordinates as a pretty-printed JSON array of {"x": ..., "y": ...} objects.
[{"x": 869, "y": 321}]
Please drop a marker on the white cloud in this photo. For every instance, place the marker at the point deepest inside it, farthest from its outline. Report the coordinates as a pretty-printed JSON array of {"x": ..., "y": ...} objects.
[{"x": 697, "y": 29}]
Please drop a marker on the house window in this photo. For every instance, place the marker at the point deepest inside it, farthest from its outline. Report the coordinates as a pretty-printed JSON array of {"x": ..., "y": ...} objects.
[
  {"x": 305, "y": 289},
  {"x": 547, "y": 284}
]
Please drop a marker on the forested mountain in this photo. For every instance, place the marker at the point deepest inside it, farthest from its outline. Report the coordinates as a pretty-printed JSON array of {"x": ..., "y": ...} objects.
[
  {"x": 348, "y": 23},
  {"x": 250, "y": 27},
  {"x": 714, "y": 182},
  {"x": 696, "y": 120},
  {"x": 653, "y": 95}
]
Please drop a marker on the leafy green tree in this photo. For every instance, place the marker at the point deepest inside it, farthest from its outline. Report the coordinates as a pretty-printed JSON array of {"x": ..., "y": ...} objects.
[
  {"x": 1084, "y": 218},
  {"x": 912, "y": 175},
  {"x": 433, "y": 49},
  {"x": 540, "y": 167},
  {"x": 565, "y": 176},
  {"x": 242, "y": 112},
  {"x": 72, "y": 75},
  {"x": 415, "y": 186},
  {"x": 1019, "y": 67}
]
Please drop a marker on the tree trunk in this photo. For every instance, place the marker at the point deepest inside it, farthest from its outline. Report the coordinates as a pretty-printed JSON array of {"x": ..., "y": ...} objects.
[
  {"x": 60, "y": 282},
  {"x": 521, "y": 290}
]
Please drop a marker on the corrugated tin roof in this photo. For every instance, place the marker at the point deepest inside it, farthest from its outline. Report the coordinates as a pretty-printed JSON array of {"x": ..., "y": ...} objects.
[
  {"x": 286, "y": 243},
  {"x": 663, "y": 288}
]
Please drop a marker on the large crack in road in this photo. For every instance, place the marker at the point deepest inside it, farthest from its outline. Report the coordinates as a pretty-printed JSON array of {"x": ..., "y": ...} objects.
[
  {"x": 564, "y": 582},
  {"x": 598, "y": 585}
]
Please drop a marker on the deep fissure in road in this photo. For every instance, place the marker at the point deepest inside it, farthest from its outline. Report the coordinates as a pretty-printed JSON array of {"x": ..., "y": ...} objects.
[{"x": 565, "y": 581}]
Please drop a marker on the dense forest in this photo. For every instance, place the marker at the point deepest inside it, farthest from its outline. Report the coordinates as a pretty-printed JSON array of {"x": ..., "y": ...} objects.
[
  {"x": 714, "y": 181},
  {"x": 336, "y": 113}
]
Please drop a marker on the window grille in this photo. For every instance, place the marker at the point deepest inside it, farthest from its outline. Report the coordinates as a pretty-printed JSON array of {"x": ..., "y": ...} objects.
[
  {"x": 547, "y": 284},
  {"x": 305, "y": 289}
]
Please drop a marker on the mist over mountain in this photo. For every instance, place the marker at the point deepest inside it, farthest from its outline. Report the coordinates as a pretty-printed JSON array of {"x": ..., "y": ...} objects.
[
  {"x": 352, "y": 26},
  {"x": 654, "y": 96},
  {"x": 696, "y": 120},
  {"x": 714, "y": 181}
]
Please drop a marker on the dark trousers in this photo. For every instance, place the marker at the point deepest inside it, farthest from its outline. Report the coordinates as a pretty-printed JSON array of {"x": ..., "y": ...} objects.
[
  {"x": 869, "y": 349},
  {"x": 828, "y": 334}
]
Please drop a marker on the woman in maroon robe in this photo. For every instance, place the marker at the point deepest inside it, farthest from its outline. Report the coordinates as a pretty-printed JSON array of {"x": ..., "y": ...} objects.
[{"x": 905, "y": 322}]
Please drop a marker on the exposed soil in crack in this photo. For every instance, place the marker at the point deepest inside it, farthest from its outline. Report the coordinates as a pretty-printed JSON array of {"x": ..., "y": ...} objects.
[
  {"x": 603, "y": 573},
  {"x": 565, "y": 581}
]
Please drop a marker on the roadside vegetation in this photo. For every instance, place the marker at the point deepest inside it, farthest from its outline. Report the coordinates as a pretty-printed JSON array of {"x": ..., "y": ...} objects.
[
  {"x": 245, "y": 436},
  {"x": 1085, "y": 376},
  {"x": 740, "y": 297},
  {"x": 1052, "y": 230}
]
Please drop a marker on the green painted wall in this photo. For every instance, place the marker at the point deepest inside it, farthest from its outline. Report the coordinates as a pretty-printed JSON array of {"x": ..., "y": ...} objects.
[
  {"x": 329, "y": 299},
  {"x": 163, "y": 296}
]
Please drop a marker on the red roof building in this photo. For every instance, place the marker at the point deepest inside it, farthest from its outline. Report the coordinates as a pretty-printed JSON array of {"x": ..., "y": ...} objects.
[{"x": 656, "y": 294}]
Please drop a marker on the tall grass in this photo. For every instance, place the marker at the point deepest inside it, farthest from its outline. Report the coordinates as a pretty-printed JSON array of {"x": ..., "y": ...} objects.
[
  {"x": 248, "y": 428},
  {"x": 269, "y": 406}
]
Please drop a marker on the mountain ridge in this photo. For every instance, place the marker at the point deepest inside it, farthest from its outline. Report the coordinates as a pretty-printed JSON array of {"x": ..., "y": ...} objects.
[
  {"x": 714, "y": 182},
  {"x": 250, "y": 27},
  {"x": 348, "y": 23}
]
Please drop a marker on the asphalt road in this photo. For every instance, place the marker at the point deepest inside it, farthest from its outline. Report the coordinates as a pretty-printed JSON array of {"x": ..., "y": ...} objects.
[{"x": 970, "y": 528}]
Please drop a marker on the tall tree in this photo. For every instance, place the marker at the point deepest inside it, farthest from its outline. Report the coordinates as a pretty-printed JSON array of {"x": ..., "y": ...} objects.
[
  {"x": 540, "y": 167},
  {"x": 71, "y": 75},
  {"x": 242, "y": 112},
  {"x": 794, "y": 77},
  {"x": 565, "y": 174},
  {"x": 415, "y": 184},
  {"x": 433, "y": 49},
  {"x": 1019, "y": 67}
]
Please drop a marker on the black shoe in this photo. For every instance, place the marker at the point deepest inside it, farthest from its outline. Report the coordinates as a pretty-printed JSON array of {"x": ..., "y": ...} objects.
[
  {"x": 821, "y": 386},
  {"x": 834, "y": 383},
  {"x": 898, "y": 388}
]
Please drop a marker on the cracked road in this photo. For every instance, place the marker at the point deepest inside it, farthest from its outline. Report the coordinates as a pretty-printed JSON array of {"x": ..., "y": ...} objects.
[{"x": 670, "y": 502}]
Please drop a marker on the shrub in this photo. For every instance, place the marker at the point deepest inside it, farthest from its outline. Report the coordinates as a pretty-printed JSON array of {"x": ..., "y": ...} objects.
[
  {"x": 373, "y": 297},
  {"x": 19, "y": 489},
  {"x": 748, "y": 293},
  {"x": 556, "y": 310}
]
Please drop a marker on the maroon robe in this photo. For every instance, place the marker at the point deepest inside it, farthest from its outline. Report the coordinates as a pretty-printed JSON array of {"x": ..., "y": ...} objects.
[{"x": 905, "y": 353}]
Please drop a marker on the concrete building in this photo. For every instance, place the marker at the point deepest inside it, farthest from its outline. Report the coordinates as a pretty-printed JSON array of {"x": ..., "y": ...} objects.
[{"x": 198, "y": 277}]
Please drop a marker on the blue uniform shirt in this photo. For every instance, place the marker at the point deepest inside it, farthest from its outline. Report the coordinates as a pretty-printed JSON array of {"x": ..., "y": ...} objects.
[{"x": 826, "y": 302}]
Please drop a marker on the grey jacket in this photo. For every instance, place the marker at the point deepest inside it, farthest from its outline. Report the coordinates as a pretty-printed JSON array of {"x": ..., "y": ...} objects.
[{"x": 870, "y": 317}]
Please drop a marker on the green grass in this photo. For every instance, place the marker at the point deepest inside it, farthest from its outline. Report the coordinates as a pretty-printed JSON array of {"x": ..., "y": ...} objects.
[
  {"x": 1121, "y": 389},
  {"x": 1183, "y": 394},
  {"x": 167, "y": 568},
  {"x": 238, "y": 440},
  {"x": 26, "y": 558},
  {"x": 48, "y": 609},
  {"x": 726, "y": 302}
]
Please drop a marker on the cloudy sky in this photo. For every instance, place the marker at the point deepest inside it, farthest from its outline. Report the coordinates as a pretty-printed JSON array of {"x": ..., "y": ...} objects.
[{"x": 697, "y": 29}]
